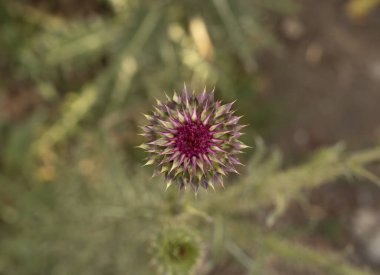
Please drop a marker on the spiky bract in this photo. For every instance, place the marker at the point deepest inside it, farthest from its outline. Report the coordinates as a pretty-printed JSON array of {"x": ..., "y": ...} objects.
[{"x": 193, "y": 139}]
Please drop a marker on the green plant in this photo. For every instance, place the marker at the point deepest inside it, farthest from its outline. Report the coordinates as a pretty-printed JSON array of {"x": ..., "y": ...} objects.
[
  {"x": 73, "y": 197},
  {"x": 98, "y": 217}
]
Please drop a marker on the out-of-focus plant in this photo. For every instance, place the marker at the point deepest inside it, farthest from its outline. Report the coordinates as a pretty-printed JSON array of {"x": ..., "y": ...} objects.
[
  {"x": 359, "y": 9},
  {"x": 72, "y": 200},
  {"x": 115, "y": 59},
  {"x": 98, "y": 217}
]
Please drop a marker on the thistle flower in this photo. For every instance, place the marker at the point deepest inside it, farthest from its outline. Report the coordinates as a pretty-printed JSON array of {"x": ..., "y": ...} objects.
[
  {"x": 193, "y": 140},
  {"x": 176, "y": 251}
]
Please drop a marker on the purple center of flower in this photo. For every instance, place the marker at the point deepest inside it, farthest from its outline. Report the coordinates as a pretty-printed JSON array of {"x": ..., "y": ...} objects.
[{"x": 193, "y": 138}]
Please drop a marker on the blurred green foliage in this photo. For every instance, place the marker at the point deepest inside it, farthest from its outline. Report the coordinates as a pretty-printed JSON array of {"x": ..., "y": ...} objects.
[
  {"x": 98, "y": 217},
  {"x": 75, "y": 77},
  {"x": 69, "y": 67}
]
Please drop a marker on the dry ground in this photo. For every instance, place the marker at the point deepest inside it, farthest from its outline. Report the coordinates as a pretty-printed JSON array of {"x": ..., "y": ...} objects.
[{"x": 327, "y": 80}]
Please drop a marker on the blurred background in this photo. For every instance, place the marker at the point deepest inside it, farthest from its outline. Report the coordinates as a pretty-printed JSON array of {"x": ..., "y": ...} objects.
[{"x": 75, "y": 77}]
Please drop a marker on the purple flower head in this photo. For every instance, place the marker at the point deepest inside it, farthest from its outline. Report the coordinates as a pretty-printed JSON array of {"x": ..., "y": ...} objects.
[{"x": 193, "y": 140}]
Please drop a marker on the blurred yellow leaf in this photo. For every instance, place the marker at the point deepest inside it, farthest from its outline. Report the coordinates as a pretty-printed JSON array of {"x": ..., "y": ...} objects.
[
  {"x": 46, "y": 173},
  {"x": 201, "y": 37},
  {"x": 358, "y": 9}
]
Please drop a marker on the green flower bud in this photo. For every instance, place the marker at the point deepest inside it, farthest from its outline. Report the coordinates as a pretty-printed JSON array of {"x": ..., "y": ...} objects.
[{"x": 176, "y": 251}]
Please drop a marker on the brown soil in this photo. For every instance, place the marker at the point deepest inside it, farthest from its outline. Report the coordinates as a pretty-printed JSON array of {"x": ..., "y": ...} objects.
[{"x": 327, "y": 78}]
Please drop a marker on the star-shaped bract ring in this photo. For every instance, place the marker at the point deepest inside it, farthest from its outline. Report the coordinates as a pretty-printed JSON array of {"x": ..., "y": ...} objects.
[{"x": 193, "y": 140}]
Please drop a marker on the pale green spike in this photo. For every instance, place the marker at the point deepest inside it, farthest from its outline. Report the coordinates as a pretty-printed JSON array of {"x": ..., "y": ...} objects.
[
  {"x": 212, "y": 185},
  {"x": 168, "y": 135},
  {"x": 216, "y": 159},
  {"x": 199, "y": 175},
  {"x": 148, "y": 117},
  {"x": 225, "y": 146},
  {"x": 179, "y": 170},
  {"x": 176, "y": 98},
  {"x": 212, "y": 157},
  {"x": 159, "y": 142},
  {"x": 235, "y": 171},
  {"x": 222, "y": 183},
  {"x": 224, "y": 108},
  {"x": 175, "y": 165},
  {"x": 181, "y": 118},
  {"x": 190, "y": 170},
  {"x": 201, "y": 165},
  {"x": 168, "y": 184},
  {"x": 204, "y": 114},
  {"x": 159, "y": 111},
  {"x": 187, "y": 98},
  {"x": 149, "y": 162},
  {"x": 164, "y": 168},
  {"x": 167, "y": 97},
  {"x": 166, "y": 151},
  {"x": 234, "y": 120},
  {"x": 215, "y": 148},
  {"x": 213, "y": 127},
  {"x": 219, "y": 111},
  {"x": 166, "y": 123},
  {"x": 158, "y": 102},
  {"x": 194, "y": 114},
  {"x": 219, "y": 134},
  {"x": 143, "y": 146},
  {"x": 220, "y": 170},
  {"x": 243, "y": 146}
]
